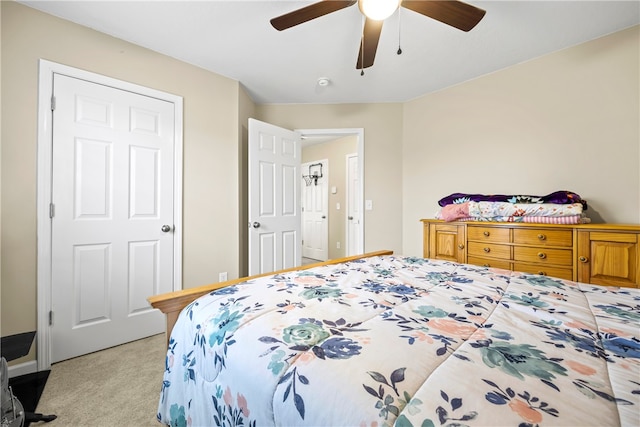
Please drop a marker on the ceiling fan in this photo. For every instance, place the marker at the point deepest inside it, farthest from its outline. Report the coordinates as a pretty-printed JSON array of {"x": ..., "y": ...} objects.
[{"x": 451, "y": 12}]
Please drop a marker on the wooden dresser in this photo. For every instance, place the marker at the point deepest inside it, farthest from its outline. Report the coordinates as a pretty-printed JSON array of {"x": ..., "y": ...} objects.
[{"x": 602, "y": 254}]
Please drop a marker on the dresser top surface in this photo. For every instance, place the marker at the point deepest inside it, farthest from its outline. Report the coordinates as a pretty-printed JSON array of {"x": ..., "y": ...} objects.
[{"x": 585, "y": 227}]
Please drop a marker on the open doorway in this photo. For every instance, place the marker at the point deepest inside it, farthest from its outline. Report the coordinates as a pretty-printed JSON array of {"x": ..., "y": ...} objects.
[
  {"x": 344, "y": 187},
  {"x": 317, "y": 135}
]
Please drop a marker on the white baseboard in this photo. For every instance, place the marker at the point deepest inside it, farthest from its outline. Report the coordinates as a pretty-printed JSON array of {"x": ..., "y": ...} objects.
[{"x": 23, "y": 368}]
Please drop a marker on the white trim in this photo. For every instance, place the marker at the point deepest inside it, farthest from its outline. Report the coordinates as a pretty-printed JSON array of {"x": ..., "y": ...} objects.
[
  {"x": 22, "y": 368},
  {"x": 47, "y": 69},
  {"x": 359, "y": 133},
  {"x": 347, "y": 208}
]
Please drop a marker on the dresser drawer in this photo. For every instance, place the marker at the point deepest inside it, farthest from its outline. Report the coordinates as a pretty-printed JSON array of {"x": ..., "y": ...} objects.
[
  {"x": 542, "y": 255},
  {"x": 543, "y": 237},
  {"x": 545, "y": 270},
  {"x": 488, "y": 262},
  {"x": 481, "y": 249},
  {"x": 487, "y": 234}
]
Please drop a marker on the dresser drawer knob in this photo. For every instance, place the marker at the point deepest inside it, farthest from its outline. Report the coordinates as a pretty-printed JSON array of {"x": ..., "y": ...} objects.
[
  {"x": 542, "y": 273},
  {"x": 487, "y": 265},
  {"x": 487, "y": 250},
  {"x": 542, "y": 237},
  {"x": 583, "y": 259},
  {"x": 461, "y": 246},
  {"x": 486, "y": 233},
  {"x": 542, "y": 255}
]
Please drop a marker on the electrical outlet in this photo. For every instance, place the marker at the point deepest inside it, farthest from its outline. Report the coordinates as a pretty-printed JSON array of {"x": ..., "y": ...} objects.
[{"x": 222, "y": 277}]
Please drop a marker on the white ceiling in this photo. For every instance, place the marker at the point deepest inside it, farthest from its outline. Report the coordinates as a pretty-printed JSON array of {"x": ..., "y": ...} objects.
[{"x": 236, "y": 40}]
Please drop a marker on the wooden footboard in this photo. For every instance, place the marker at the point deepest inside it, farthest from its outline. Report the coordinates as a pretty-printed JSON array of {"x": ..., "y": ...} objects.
[{"x": 172, "y": 303}]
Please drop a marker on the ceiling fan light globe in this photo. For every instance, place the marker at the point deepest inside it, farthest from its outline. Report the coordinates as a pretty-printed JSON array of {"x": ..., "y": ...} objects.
[{"x": 378, "y": 10}]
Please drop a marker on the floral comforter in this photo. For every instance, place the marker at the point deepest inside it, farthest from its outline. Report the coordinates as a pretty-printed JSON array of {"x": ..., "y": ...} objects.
[{"x": 408, "y": 342}]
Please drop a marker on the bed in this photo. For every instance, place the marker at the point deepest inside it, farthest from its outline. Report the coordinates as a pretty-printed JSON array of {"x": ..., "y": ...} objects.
[{"x": 392, "y": 340}]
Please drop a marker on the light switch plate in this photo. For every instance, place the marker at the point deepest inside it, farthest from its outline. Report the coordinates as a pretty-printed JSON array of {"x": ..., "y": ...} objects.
[{"x": 368, "y": 205}]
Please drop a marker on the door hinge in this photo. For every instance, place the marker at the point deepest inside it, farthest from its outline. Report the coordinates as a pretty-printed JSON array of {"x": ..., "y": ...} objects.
[
  {"x": 50, "y": 317},
  {"x": 53, "y": 102},
  {"x": 52, "y": 210}
]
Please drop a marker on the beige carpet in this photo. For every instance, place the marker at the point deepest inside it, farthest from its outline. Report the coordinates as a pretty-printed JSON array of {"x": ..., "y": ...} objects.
[{"x": 119, "y": 386}]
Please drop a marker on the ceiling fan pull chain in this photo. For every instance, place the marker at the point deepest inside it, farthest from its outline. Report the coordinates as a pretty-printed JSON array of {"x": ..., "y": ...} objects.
[
  {"x": 362, "y": 48},
  {"x": 399, "y": 29}
]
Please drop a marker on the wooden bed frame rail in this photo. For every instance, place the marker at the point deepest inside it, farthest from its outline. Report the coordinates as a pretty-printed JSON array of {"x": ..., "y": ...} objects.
[{"x": 172, "y": 303}]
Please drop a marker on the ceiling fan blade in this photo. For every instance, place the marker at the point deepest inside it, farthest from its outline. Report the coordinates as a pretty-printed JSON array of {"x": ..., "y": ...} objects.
[
  {"x": 369, "y": 43},
  {"x": 308, "y": 13},
  {"x": 451, "y": 12}
]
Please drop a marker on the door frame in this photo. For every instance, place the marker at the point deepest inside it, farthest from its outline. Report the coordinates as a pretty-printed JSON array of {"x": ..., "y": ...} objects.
[
  {"x": 46, "y": 72},
  {"x": 359, "y": 134},
  {"x": 348, "y": 223}
]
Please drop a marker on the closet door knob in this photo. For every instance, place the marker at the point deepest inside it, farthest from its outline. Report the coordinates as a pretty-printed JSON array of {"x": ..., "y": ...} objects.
[
  {"x": 583, "y": 259},
  {"x": 165, "y": 228},
  {"x": 256, "y": 224}
]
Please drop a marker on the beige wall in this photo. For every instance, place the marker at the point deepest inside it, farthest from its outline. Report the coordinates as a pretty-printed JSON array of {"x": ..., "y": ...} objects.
[
  {"x": 565, "y": 121},
  {"x": 211, "y": 134},
  {"x": 247, "y": 111},
  {"x": 382, "y": 125},
  {"x": 335, "y": 153}
]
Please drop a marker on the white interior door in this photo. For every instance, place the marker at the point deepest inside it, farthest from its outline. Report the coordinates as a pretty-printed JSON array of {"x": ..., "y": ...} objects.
[
  {"x": 274, "y": 198},
  {"x": 112, "y": 215},
  {"x": 354, "y": 207},
  {"x": 315, "y": 212}
]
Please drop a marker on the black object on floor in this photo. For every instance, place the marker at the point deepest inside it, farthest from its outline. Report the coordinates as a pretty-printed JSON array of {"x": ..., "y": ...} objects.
[{"x": 27, "y": 389}]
